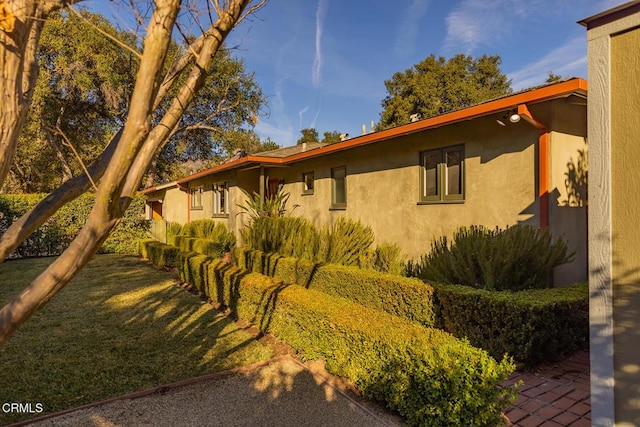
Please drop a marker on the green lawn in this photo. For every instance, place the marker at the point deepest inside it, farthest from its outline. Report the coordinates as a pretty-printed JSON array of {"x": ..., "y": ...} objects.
[{"x": 118, "y": 327}]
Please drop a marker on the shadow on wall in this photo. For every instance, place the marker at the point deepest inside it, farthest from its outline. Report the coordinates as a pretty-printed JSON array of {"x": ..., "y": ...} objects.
[
  {"x": 576, "y": 179},
  {"x": 625, "y": 326}
]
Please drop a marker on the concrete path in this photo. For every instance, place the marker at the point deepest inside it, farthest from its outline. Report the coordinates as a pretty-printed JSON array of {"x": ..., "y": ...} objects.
[
  {"x": 278, "y": 392},
  {"x": 283, "y": 391}
]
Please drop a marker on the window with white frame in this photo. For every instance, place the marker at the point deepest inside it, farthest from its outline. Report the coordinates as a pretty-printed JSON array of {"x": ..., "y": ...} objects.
[
  {"x": 442, "y": 175},
  {"x": 196, "y": 197},
  {"x": 221, "y": 199}
]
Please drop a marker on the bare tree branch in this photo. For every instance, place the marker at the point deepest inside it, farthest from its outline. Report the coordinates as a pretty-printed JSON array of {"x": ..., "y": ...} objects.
[
  {"x": 107, "y": 35},
  {"x": 107, "y": 209}
]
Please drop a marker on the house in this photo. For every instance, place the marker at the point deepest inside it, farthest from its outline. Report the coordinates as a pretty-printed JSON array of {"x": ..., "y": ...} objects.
[
  {"x": 613, "y": 52},
  {"x": 516, "y": 159}
]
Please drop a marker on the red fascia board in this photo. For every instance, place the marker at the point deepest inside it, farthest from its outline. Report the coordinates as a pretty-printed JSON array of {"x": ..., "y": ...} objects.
[
  {"x": 576, "y": 85},
  {"x": 490, "y": 107},
  {"x": 148, "y": 190},
  {"x": 243, "y": 161}
]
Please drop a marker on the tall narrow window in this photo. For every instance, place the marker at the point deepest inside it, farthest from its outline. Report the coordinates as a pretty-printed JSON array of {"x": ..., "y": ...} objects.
[
  {"x": 442, "y": 175},
  {"x": 339, "y": 187},
  {"x": 221, "y": 199},
  {"x": 453, "y": 159},
  {"x": 196, "y": 198},
  {"x": 307, "y": 183}
]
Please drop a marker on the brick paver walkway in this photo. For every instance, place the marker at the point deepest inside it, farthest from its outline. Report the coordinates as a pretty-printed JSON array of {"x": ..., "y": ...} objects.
[{"x": 553, "y": 396}]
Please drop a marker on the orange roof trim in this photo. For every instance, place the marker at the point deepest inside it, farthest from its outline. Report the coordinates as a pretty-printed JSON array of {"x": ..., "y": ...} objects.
[{"x": 575, "y": 85}]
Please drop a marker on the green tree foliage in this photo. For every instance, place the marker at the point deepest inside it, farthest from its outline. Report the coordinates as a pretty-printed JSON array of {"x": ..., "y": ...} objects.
[
  {"x": 80, "y": 98},
  {"x": 311, "y": 135},
  {"x": 308, "y": 135},
  {"x": 553, "y": 78},
  {"x": 331, "y": 137},
  {"x": 436, "y": 86}
]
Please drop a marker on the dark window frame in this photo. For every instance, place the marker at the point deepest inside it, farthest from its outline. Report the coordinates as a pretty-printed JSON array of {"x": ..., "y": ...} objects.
[
  {"x": 305, "y": 189},
  {"x": 335, "y": 204},
  {"x": 442, "y": 176}
]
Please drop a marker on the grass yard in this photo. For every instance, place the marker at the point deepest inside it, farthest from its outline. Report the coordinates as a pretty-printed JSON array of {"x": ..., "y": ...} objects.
[{"x": 120, "y": 326}]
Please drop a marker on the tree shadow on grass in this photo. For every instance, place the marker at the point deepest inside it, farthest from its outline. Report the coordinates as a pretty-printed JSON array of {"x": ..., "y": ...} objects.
[{"x": 119, "y": 327}]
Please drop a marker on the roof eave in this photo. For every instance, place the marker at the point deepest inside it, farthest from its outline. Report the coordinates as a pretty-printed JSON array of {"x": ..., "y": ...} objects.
[{"x": 577, "y": 85}]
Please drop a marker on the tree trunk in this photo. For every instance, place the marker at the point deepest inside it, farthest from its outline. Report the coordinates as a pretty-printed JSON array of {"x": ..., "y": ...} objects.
[{"x": 131, "y": 158}]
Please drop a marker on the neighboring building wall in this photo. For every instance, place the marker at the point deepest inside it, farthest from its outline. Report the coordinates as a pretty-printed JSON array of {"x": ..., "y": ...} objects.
[{"x": 614, "y": 73}]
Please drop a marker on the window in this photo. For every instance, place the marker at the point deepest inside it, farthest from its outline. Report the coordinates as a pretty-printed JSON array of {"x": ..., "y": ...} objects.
[
  {"x": 339, "y": 187},
  {"x": 442, "y": 175},
  {"x": 307, "y": 183},
  {"x": 221, "y": 199},
  {"x": 196, "y": 198}
]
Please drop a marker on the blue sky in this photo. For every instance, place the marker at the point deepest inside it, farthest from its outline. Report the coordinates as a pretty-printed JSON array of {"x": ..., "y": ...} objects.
[{"x": 323, "y": 63}]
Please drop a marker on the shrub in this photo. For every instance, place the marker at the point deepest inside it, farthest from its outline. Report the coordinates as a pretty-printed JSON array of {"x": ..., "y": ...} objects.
[
  {"x": 427, "y": 375},
  {"x": 534, "y": 326},
  {"x": 347, "y": 242},
  {"x": 387, "y": 258},
  {"x": 397, "y": 295},
  {"x": 158, "y": 253},
  {"x": 519, "y": 257},
  {"x": 289, "y": 236},
  {"x": 173, "y": 229},
  {"x": 59, "y": 230},
  {"x": 203, "y": 246},
  {"x": 210, "y": 230}
]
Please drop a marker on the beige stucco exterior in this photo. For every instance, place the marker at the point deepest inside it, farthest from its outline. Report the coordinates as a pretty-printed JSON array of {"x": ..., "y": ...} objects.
[{"x": 501, "y": 183}]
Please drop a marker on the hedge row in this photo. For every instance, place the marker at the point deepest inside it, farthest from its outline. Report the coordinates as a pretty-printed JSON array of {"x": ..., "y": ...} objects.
[
  {"x": 160, "y": 254},
  {"x": 57, "y": 232},
  {"x": 427, "y": 375},
  {"x": 204, "y": 246},
  {"x": 534, "y": 326},
  {"x": 404, "y": 297}
]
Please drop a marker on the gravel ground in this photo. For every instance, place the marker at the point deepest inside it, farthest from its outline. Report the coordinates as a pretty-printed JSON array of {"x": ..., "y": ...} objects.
[{"x": 279, "y": 392}]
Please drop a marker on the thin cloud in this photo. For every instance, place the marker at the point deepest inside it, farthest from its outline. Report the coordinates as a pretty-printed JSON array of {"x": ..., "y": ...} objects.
[
  {"x": 300, "y": 114},
  {"x": 321, "y": 12},
  {"x": 566, "y": 60},
  {"x": 409, "y": 27},
  {"x": 476, "y": 23}
]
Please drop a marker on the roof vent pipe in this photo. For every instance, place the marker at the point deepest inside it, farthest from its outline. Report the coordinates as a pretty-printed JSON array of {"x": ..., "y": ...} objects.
[{"x": 304, "y": 147}]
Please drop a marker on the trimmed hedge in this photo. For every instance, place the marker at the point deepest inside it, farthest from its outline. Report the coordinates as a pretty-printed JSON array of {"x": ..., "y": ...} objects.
[
  {"x": 59, "y": 230},
  {"x": 158, "y": 253},
  {"x": 204, "y": 246},
  {"x": 400, "y": 296},
  {"x": 427, "y": 375},
  {"x": 534, "y": 326}
]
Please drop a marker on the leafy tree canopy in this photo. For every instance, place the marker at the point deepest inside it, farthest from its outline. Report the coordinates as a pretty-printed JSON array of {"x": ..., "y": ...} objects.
[
  {"x": 311, "y": 135},
  {"x": 552, "y": 77},
  {"x": 81, "y": 99},
  {"x": 436, "y": 86}
]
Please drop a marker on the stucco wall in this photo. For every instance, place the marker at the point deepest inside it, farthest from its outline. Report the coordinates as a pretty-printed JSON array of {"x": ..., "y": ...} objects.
[
  {"x": 383, "y": 183},
  {"x": 567, "y": 184},
  {"x": 625, "y": 186}
]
